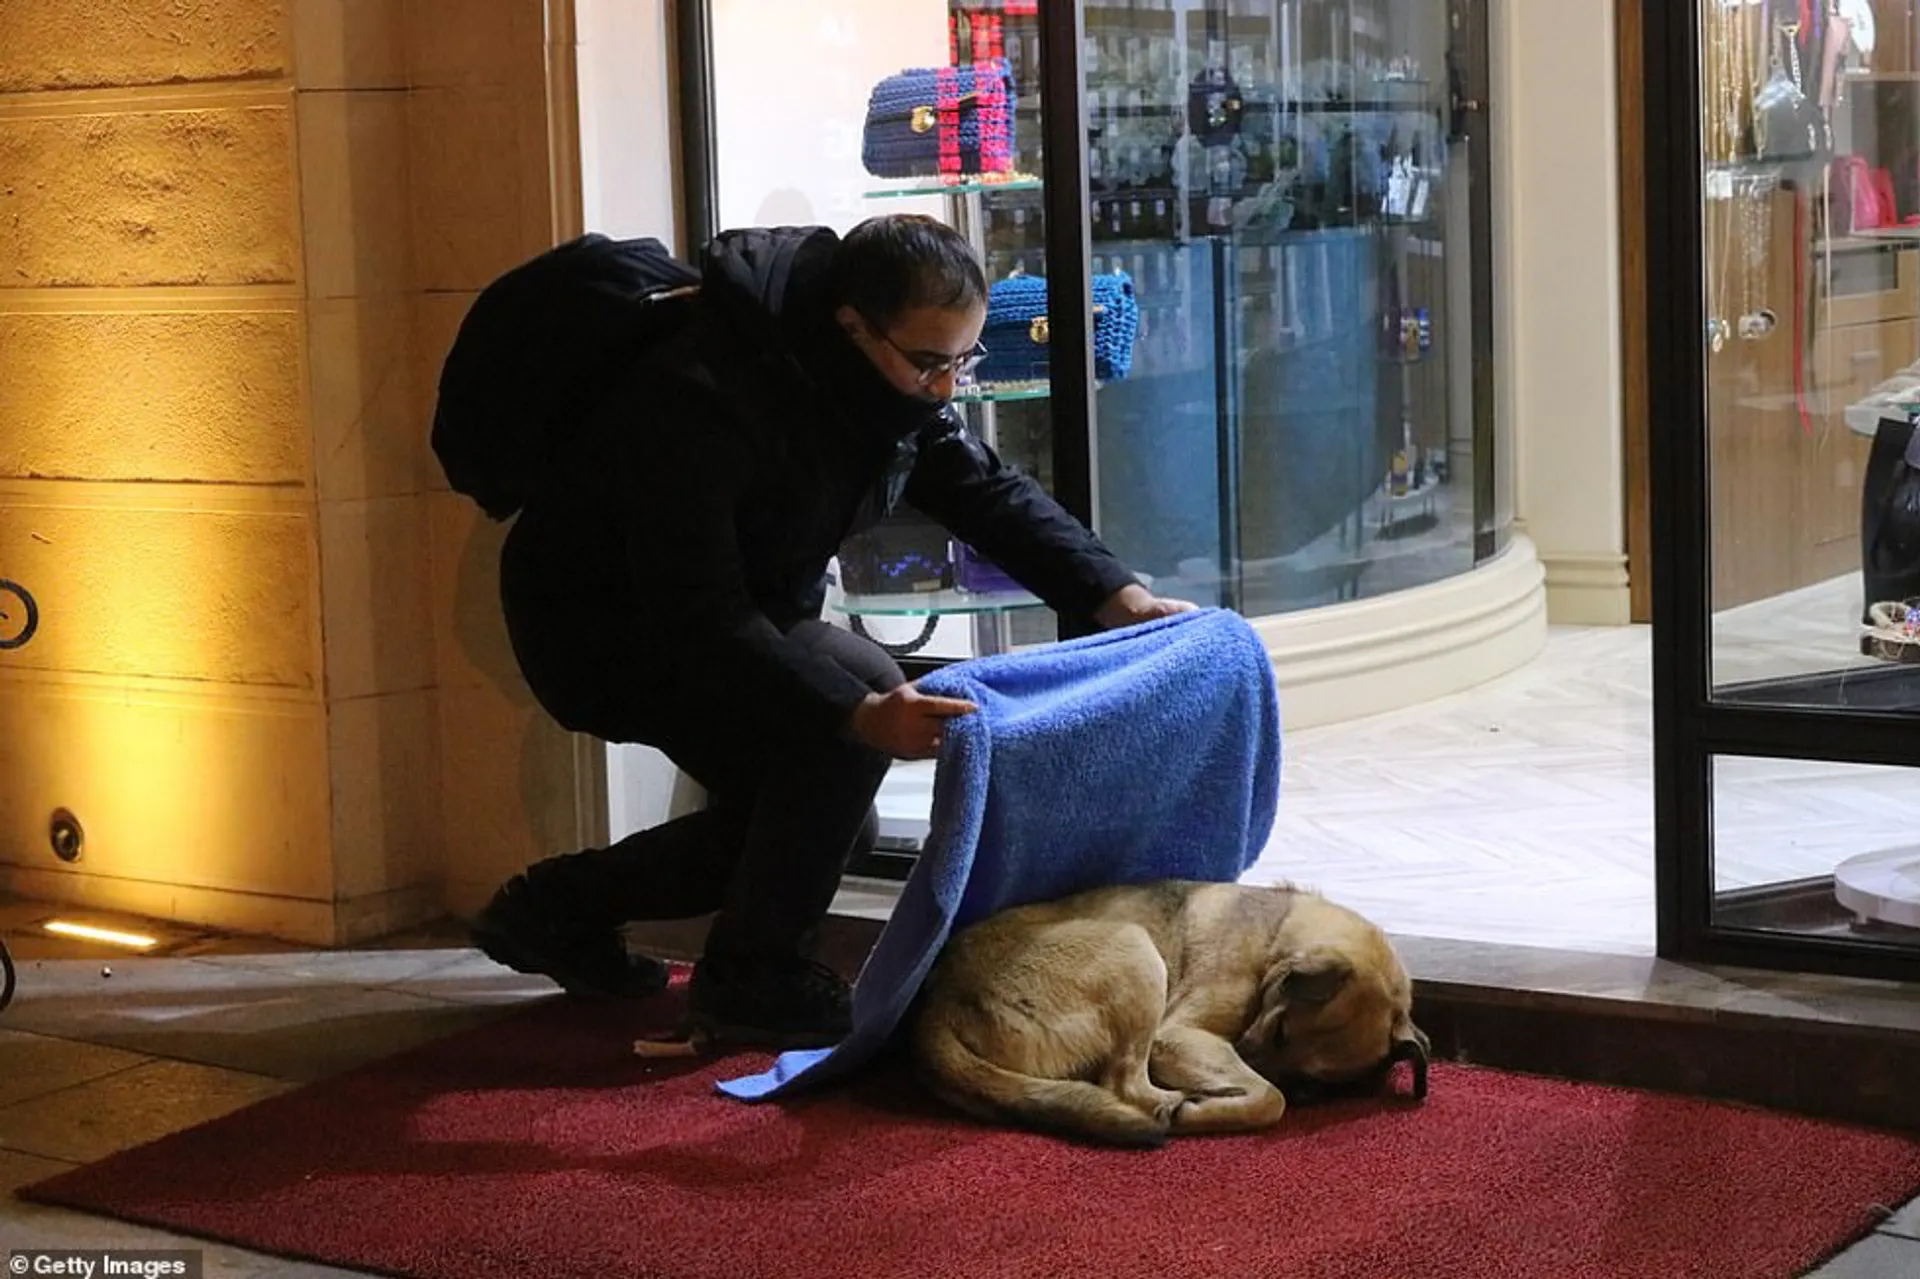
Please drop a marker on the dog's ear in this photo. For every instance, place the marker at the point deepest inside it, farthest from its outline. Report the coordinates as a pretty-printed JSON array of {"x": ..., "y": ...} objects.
[
  {"x": 1309, "y": 977},
  {"x": 1316, "y": 976},
  {"x": 1410, "y": 1044}
]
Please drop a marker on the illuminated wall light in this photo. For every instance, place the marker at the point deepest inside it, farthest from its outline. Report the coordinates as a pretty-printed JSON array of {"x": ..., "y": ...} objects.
[{"x": 110, "y": 936}]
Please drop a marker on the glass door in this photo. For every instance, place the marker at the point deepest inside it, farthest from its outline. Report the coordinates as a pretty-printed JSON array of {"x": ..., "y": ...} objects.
[{"x": 1782, "y": 138}]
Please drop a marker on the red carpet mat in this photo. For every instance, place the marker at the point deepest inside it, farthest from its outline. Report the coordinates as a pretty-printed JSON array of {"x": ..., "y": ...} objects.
[{"x": 540, "y": 1147}]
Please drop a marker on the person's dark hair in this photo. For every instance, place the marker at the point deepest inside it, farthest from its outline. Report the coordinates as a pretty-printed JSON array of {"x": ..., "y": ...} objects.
[{"x": 889, "y": 265}]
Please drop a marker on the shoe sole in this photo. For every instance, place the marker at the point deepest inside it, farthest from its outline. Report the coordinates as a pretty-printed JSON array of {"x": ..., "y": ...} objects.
[
  {"x": 713, "y": 1030},
  {"x": 495, "y": 945}
]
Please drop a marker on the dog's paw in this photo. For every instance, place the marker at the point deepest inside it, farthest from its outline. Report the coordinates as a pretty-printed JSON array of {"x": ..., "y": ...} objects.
[{"x": 1167, "y": 1107}]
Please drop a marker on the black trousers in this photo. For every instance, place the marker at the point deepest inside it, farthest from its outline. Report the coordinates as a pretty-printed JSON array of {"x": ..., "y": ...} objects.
[{"x": 785, "y": 811}]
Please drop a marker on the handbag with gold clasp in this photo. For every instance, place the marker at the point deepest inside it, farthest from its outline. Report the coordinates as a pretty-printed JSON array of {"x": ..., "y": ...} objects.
[{"x": 941, "y": 122}]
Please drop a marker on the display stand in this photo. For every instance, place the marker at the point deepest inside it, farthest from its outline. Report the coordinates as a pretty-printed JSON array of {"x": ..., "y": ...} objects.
[
  {"x": 991, "y": 612},
  {"x": 1881, "y": 887}
]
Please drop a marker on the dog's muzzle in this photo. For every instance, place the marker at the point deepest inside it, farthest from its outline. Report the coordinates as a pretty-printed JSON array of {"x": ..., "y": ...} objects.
[{"x": 1303, "y": 1090}]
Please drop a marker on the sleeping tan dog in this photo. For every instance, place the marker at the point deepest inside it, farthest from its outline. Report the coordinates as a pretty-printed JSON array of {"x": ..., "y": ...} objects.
[{"x": 1123, "y": 1015}]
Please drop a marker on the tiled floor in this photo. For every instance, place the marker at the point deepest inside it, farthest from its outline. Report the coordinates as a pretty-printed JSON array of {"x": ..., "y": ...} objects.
[
  {"x": 102, "y": 1051},
  {"x": 1521, "y": 812}
]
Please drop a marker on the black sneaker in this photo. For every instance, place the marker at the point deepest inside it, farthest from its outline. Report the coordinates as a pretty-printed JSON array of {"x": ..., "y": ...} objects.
[
  {"x": 531, "y": 933},
  {"x": 766, "y": 1003}
]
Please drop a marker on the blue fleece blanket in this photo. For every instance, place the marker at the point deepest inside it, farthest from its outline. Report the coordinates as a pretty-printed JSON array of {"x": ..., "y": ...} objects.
[{"x": 1146, "y": 753}]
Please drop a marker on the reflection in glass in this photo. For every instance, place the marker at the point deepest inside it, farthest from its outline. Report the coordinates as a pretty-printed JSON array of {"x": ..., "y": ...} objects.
[
  {"x": 1811, "y": 228},
  {"x": 832, "y": 111},
  {"x": 1278, "y": 202},
  {"x": 1816, "y": 848},
  {"x": 1284, "y": 182}
]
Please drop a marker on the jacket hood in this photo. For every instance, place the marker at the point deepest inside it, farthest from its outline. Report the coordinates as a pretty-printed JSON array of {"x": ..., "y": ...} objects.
[{"x": 760, "y": 277}]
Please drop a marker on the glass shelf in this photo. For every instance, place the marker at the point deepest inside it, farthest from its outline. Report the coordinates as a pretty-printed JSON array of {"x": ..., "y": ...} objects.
[
  {"x": 928, "y": 603},
  {"x": 1750, "y": 169},
  {"x": 934, "y": 186},
  {"x": 1002, "y": 392}
]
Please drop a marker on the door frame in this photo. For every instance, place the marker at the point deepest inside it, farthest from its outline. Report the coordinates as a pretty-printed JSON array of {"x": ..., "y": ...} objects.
[{"x": 1630, "y": 69}]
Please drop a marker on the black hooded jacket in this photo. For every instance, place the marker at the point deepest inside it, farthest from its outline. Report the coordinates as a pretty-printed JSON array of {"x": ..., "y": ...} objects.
[{"x": 697, "y": 514}]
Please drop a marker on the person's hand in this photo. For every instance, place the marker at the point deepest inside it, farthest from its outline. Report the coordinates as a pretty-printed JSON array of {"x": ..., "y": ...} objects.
[
  {"x": 1133, "y": 603},
  {"x": 906, "y": 723}
]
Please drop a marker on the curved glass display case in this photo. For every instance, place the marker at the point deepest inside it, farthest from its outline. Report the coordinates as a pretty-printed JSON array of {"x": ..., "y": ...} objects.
[{"x": 1286, "y": 202}]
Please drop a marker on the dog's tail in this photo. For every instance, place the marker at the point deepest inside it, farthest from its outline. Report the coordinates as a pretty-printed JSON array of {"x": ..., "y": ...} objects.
[{"x": 964, "y": 1079}]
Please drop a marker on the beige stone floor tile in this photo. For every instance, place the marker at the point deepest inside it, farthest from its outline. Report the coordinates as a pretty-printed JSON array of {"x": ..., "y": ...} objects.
[
  {"x": 236, "y": 1017},
  {"x": 382, "y": 967},
  {"x": 1905, "y": 1223},
  {"x": 92, "y": 1120},
  {"x": 1875, "y": 1257},
  {"x": 39, "y": 1064},
  {"x": 31, "y": 1226},
  {"x": 57, "y": 995},
  {"x": 475, "y": 979},
  {"x": 17, "y": 1170}
]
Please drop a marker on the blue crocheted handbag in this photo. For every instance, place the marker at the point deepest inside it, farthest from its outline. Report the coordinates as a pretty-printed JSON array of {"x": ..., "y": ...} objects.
[
  {"x": 941, "y": 122},
  {"x": 1017, "y": 331}
]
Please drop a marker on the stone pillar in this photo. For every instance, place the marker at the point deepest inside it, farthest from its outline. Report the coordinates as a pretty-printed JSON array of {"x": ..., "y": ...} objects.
[
  {"x": 1557, "y": 244},
  {"x": 370, "y": 463},
  {"x": 493, "y": 171},
  {"x": 156, "y": 468},
  {"x": 235, "y": 238}
]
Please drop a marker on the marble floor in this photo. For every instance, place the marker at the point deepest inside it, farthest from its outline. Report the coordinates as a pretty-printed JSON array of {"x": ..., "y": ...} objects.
[{"x": 1521, "y": 812}]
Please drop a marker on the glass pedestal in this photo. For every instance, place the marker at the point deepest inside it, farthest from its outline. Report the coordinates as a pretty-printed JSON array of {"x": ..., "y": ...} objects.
[{"x": 990, "y": 611}]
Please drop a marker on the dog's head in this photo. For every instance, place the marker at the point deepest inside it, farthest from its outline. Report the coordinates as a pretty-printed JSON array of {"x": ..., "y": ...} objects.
[{"x": 1335, "y": 1012}]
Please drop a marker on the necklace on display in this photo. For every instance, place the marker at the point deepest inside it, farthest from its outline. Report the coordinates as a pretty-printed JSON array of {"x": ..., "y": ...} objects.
[
  {"x": 1728, "y": 74},
  {"x": 1720, "y": 215},
  {"x": 1724, "y": 24},
  {"x": 1756, "y": 320}
]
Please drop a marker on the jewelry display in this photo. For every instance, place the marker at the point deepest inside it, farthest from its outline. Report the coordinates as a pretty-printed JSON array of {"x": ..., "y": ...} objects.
[
  {"x": 1756, "y": 233},
  {"x": 1719, "y": 231},
  {"x": 1727, "y": 95},
  {"x": 1743, "y": 129},
  {"x": 1730, "y": 80}
]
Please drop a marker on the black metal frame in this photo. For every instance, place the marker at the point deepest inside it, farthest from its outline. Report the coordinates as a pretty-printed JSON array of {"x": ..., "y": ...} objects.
[
  {"x": 1470, "y": 90},
  {"x": 693, "y": 71},
  {"x": 1691, "y": 726},
  {"x": 1069, "y": 237}
]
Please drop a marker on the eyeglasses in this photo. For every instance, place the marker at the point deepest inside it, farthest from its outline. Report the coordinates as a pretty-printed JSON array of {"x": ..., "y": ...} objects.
[{"x": 931, "y": 366}]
